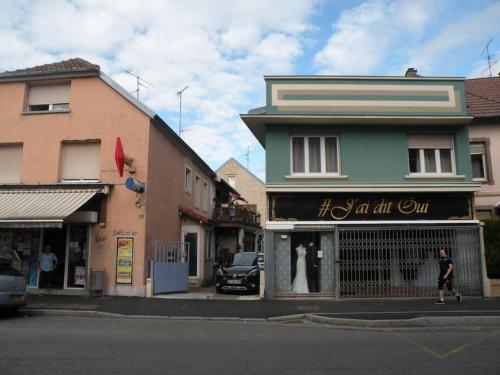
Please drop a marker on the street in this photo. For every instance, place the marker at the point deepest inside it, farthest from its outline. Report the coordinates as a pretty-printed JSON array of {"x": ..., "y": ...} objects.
[{"x": 62, "y": 345}]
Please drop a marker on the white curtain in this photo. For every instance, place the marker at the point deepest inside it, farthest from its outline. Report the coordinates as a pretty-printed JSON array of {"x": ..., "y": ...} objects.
[
  {"x": 331, "y": 154},
  {"x": 298, "y": 155},
  {"x": 314, "y": 154},
  {"x": 445, "y": 156},
  {"x": 430, "y": 160}
]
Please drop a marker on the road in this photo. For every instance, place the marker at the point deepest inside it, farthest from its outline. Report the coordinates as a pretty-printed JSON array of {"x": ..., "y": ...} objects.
[{"x": 71, "y": 345}]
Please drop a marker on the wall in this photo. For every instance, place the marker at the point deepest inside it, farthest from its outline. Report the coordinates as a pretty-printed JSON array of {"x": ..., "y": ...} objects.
[
  {"x": 368, "y": 154},
  {"x": 97, "y": 112},
  {"x": 489, "y": 195}
]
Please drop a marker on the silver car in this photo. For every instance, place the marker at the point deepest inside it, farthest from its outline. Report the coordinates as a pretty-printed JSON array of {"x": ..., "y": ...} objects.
[{"x": 12, "y": 288}]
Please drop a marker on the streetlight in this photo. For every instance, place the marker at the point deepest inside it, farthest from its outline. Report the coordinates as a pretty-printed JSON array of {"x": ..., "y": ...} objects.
[{"x": 179, "y": 94}]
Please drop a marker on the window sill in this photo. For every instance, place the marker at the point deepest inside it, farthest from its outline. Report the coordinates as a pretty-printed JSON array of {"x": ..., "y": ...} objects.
[
  {"x": 45, "y": 112},
  {"x": 435, "y": 176},
  {"x": 80, "y": 181},
  {"x": 317, "y": 176},
  {"x": 481, "y": 180}
]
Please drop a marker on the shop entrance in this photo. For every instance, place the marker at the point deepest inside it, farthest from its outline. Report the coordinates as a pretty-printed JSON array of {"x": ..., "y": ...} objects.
[{"x": 56, "y": 238}]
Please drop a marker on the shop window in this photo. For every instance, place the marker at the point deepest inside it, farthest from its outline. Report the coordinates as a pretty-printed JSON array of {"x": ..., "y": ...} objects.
[
  {"x": 48, "y": 98},
  {"x": 77, "y": 256},
  {"x": 10, "y": 163},
  {"x": 479, "y": 161},
  {"x": 188, "y": 177},
  {"x": 80, "y": 161},
  {"x": 314, "y": 155},
  {"x": 431, "y": 154}
]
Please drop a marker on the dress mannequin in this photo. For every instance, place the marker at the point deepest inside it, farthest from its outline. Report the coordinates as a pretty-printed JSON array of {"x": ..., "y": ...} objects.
[
  {"x": 312, "y": 264},
  {"x": 299, "y": 285}
]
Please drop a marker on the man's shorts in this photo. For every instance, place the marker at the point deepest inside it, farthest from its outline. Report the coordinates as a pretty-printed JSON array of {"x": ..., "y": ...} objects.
[{"x": 448, "y": 282}]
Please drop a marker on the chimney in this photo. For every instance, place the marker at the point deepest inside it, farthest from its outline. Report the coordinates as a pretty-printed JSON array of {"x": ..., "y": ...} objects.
[{"x": 411, "y": 72}]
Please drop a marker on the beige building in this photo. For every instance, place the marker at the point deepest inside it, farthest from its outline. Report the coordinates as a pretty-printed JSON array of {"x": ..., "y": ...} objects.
[
  {"x": 59, "y": 182},
  {"x": 483, "y": 102}
]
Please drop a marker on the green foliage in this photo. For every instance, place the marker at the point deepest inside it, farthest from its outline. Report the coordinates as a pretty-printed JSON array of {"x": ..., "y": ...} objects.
[{"x": 492, "y": 247}]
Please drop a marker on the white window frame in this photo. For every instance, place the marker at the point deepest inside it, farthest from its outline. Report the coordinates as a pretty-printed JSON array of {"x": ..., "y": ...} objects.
[
  {"x": 322, "y": 155},
  {"x": 483, "y": 158},
  {"x": 437, "y": 158},
  {"x": 188, "y": 185},
  {"x": 198, "y": 190}
]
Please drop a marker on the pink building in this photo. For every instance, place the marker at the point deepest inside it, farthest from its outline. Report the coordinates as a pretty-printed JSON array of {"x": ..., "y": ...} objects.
[
  {"x": 59, "y": 182},
  {"x": 483, "y": 102}
]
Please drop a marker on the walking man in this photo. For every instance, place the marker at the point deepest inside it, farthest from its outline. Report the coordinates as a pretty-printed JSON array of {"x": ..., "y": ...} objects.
[
  {"x": 47, "y": 263},
  {"x": 446, "y": 277}
]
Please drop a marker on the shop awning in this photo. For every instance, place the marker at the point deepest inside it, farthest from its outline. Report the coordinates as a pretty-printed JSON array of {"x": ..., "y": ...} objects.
[{"x": 37, "y": 208}]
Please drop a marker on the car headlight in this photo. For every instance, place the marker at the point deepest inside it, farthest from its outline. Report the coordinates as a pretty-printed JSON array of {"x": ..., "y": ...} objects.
[
  {"x": 253, "y": 273},
  {"x": 219, "y": 272}
]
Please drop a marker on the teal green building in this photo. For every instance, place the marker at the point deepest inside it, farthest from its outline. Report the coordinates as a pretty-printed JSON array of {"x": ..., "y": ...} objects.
[{"x": 366, "y": 179}]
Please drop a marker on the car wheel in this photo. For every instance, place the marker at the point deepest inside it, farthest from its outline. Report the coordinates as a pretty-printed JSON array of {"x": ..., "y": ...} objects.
[
  {"x": 219, "y": 290},
  {"x": 14, "y": 310}
]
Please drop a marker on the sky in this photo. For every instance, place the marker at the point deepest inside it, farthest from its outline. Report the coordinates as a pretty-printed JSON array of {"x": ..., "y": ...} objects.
[{"x": 221, "y": 49}]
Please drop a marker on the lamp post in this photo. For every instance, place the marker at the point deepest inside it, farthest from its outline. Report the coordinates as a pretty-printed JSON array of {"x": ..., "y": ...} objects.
[{"x": 179, "y": 94}]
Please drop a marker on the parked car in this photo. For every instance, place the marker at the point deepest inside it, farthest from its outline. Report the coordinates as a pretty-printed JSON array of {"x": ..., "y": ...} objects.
[
  {"x": 12, "y": 287},
  {"x": 242, "y": 274}
]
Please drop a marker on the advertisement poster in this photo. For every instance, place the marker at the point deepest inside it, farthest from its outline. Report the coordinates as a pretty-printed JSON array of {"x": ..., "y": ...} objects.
[
  {"x": 124, "y": 260},
  {"x": 79, "y": 276}
]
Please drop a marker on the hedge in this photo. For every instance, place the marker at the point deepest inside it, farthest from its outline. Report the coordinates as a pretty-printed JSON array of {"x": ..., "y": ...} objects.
[{"x": 492, "y": 247}]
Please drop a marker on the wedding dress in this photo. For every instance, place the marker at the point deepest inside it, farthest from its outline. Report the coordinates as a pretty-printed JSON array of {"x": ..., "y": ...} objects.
[{"x": 299, "y": 285}]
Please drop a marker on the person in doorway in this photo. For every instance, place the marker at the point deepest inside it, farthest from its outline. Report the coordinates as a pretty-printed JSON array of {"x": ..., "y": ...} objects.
[
  {"x": 47, "y": 263},
  {"x": 446, "y": 277}
]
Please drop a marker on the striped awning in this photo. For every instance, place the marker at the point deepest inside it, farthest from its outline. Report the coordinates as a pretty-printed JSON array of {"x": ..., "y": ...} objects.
[{"x": 37, "y": 208}]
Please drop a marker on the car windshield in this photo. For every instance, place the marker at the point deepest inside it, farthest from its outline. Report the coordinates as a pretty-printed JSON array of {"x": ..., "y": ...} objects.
[
  {"x": 244, "y": 259},
  {"x": 6, "y": 270}
]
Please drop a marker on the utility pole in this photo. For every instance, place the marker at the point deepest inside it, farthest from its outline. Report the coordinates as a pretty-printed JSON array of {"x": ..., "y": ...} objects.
[{"x": 179, "y": 94}]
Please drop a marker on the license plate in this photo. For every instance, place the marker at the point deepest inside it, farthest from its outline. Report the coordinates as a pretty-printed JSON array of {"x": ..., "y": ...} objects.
[
  {"x": 16, "y": 297},
  {"x": 234, "y": 281}
]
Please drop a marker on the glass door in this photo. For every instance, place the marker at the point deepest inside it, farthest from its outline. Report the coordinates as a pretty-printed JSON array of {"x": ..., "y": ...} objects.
[{"x": 77, "y": 256}]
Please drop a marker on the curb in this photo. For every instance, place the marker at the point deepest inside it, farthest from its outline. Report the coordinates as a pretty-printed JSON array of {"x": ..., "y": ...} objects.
[{"x": 422, "y": 322}]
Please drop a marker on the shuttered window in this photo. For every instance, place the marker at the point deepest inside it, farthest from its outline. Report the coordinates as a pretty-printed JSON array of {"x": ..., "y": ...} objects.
[
  {"x": 48, "y": 98},
  {"x": 431, "y": 154},
  {"x": 10, "y": 163},
  {"x": 80, "y": 161}
]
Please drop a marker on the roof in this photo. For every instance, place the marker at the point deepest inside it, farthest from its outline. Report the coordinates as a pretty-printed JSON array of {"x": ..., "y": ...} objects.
[
  {"x": 482, "y": 96},
  {"x": 403, "y": 78},
  {"x": 40, "y": 207},
  {"x": 75, "y": 65},
  {"x": 231, "y": 159}
]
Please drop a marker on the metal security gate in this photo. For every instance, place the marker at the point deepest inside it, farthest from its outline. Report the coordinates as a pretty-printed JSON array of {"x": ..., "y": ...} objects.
[
  {"x": 169, "y": 267},
  {"x": 403, "y": 261}
]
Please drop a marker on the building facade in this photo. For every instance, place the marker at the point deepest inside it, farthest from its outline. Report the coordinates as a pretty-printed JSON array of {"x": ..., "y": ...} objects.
[
  {"x": 252, "y": 206},
  {"x": 59, "y": 182},
  {"x": 483, "y": 102},
  {"x": 366, "y": 178}
]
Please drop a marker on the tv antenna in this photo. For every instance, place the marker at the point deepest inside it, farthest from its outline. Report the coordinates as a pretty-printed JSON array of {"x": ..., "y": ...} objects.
[
  {"x": 140, "y": 83},
  {"x": 489, "y": 57},
  {"x": 247, "y": 157},
  {"x": 179, "y": 94}
]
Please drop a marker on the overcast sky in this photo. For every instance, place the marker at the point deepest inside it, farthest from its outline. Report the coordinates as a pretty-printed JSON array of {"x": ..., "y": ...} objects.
[{"x": 222, "y": 49}]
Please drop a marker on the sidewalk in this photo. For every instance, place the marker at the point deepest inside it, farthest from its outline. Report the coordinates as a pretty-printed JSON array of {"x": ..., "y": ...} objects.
[{"x": 374, "y": 309}]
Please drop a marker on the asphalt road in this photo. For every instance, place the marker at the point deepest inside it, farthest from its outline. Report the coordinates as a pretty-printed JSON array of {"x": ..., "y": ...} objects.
[{"x": 70, "y": 345}]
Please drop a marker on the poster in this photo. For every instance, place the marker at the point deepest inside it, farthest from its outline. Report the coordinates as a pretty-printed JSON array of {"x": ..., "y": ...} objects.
[
  {"x": 79, "y": 276},
  {"x": 124, "y": 259}
]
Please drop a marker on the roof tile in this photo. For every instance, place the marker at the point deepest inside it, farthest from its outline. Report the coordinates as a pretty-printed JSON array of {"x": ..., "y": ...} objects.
[
  {"x": 66, "y": 66},
  {"x": 482, "y": 96}
]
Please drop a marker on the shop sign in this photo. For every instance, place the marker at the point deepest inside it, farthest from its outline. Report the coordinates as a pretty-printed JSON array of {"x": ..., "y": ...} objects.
[
  {"x": 260, "y": 260},
  {"x": 369, "y": 206},
  {"x": 124, "y": 260}
]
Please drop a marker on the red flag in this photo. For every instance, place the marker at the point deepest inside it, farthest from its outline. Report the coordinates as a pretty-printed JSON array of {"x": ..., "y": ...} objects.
[{"x": 119, "y": 156}]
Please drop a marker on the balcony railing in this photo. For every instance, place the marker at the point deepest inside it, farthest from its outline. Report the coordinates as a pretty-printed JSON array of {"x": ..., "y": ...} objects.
[{"x": 236, "y": 214}]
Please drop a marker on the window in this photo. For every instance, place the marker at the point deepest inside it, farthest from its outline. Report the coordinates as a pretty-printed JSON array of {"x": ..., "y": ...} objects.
[
  {"x": 314, "y": 154},
  {"x": 10, "y": 163},
  {"x": 478, "y": 159},
  {"x": 188, "y": 176},
  {"x": 197, "y": 191},
  {"x": 231, "y": 180},
  {"x": 48, "y": 98},
  {"x": 431, "y": 154},
  {"x": 81, "y": 161},
  {"x": 205, "y": 196}
]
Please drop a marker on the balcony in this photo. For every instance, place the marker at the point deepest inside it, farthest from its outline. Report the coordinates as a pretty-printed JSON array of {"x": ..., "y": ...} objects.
[{"x": 237, "y": 214}]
